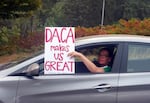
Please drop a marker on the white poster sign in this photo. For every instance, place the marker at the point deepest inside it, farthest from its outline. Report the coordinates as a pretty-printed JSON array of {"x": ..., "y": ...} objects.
[{"x": 59, "y": 41}]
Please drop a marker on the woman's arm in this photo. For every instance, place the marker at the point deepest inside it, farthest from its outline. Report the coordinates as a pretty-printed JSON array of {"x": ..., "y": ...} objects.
[{"x": 90, "y": 65}]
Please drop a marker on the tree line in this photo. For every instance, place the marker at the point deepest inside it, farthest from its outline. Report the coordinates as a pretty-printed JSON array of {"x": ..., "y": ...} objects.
[
  {"x": 21, "y": 18},
  {"x": 88, "y": 13},
  {"x": 73, "y": 13}
]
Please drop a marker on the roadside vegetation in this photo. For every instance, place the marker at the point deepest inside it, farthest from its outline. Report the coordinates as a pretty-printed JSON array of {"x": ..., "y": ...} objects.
[
  {"x": 132, "y": 27},
  {"x": 22, "y": 25}
]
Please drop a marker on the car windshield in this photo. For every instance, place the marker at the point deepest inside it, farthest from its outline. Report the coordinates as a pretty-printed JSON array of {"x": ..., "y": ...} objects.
[{"x": 13, "y": 63}]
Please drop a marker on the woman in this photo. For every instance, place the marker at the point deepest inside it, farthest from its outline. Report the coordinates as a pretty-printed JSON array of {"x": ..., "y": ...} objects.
[{"x": 104, "y": 59}]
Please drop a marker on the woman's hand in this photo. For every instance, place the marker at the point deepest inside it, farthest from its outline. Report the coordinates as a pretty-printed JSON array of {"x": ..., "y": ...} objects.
[{"x": 74, "y": 54}]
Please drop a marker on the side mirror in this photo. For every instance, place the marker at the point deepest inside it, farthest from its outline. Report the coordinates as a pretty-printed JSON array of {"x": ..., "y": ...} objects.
[{"x": 33, "y": 70}]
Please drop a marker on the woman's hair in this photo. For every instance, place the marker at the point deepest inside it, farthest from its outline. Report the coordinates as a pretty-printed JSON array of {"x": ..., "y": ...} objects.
[{"x": 108, "y": 50}]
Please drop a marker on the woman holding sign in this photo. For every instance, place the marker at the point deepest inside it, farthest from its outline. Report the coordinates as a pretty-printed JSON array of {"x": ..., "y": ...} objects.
[{"x": 104, "y": 59}]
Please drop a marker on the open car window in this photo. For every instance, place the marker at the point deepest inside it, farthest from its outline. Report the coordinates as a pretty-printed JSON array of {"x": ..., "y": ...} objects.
[{"x": 91, "y": 52}]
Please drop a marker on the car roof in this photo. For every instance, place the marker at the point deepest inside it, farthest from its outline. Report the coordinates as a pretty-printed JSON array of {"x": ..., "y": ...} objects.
[{"x": 112, "y": 38}]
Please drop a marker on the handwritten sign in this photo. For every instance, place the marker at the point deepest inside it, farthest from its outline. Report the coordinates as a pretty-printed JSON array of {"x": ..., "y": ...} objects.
[{"x": 59, "y": 41}]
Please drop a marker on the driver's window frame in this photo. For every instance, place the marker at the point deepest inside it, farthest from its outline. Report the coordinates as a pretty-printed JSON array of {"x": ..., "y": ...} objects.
[{"x": 106, "y": 44}]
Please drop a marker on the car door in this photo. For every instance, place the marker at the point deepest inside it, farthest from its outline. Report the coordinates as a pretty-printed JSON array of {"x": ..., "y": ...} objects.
[
  {"x": 134, "y": 81},
  {"x": 71, "y": 88},
  {"x": 8, "y": 88}
]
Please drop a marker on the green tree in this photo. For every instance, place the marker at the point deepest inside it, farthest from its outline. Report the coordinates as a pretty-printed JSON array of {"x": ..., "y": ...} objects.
[
  {"x": 83, "y": 12},
  {"x": 18, "y": 8},
  {"x": 46, "y": 11},
  {"x": 136, "y": 9},
  {"x": 88, "y": 12},
  {"x": 57, "y": 17}
]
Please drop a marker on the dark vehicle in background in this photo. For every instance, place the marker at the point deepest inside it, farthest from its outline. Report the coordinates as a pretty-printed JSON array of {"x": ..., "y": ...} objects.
[{"x": 128, "y": 81}]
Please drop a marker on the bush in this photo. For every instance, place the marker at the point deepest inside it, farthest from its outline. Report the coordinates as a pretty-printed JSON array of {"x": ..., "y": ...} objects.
[
  {"x": 8, "y": 40},
  {"x": 12, "y": 42},
  {"x": 133, "y": 26},
  {"x": 33, "y": 40}
]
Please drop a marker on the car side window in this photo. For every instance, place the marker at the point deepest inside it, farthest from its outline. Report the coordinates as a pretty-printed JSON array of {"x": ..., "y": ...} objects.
[
  {"x": 92, "y": 52},
  {"x": 138, "y": 58}
]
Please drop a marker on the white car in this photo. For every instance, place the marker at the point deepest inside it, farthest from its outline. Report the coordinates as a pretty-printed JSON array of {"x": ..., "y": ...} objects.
[{"x": 128, "y": 81}]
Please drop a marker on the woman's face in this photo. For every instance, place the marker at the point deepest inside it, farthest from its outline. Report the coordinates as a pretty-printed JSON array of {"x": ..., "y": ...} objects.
[{"x": 104, "y": 58}]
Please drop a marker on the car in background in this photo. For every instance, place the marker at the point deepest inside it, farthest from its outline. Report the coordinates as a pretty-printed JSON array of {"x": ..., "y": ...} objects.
[{"x": 128, "y": 81}]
